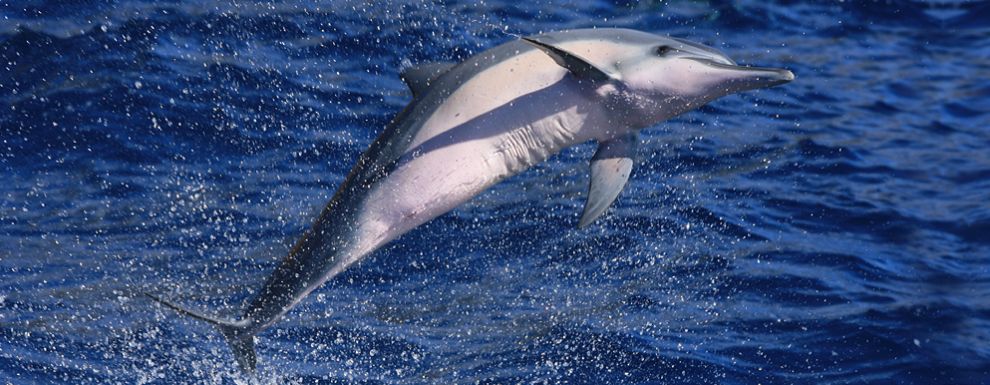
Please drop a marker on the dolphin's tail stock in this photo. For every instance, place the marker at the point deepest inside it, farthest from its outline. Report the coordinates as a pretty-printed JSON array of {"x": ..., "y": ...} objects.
[{"x": 240, "y": 339}]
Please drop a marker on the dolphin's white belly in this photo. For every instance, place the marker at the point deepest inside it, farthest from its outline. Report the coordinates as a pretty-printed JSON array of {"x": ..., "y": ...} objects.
[{"x": 455, "y": 159}]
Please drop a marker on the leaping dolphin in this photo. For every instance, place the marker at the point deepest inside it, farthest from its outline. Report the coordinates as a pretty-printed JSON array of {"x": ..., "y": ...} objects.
[{"x": 473, "y": 124}]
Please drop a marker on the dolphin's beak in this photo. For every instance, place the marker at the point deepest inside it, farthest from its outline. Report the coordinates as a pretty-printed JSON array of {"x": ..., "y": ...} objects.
[{"x": 743, "y": 78}]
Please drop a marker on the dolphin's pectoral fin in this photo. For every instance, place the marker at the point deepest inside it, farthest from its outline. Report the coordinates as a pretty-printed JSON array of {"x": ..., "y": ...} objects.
[
  {"x": 419, "y": 77},
  {"x": 581, "y": 68},
  {"x": 610, "y": 169}
]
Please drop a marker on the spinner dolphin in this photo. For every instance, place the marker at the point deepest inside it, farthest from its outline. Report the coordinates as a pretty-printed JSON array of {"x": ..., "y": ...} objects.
[{"x": 475, "y": 123}]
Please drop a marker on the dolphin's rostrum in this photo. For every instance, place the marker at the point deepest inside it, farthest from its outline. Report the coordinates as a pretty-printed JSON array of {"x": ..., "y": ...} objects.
[{"x": 472, "y": 124}]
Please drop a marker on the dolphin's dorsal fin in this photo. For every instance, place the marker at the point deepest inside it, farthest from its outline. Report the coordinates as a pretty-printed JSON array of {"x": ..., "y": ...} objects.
[
  {"x": 419, "y": 77},
  {"x": 581, "y": 68},
  {"x": 610, "y": 169}
]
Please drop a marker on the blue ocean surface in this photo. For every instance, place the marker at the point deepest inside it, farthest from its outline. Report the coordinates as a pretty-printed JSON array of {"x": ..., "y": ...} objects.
[{"x": 833, "y": 230}]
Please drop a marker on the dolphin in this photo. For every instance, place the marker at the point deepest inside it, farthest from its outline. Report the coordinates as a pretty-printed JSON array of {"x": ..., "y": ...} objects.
[{"x": 475, "y": 123}]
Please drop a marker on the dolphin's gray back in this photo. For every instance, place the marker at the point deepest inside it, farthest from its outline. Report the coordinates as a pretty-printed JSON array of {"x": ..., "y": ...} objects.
[{"x": 394, "y": 141}]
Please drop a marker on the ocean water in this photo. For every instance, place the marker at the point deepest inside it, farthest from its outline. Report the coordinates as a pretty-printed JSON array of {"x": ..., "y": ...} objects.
[{"x": 834, "y": 230}]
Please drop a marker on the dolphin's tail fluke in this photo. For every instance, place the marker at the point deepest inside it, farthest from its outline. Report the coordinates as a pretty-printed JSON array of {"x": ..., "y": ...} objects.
[
  {"x": 242, "y": 344},
  {"x": 236, "y": 333}
]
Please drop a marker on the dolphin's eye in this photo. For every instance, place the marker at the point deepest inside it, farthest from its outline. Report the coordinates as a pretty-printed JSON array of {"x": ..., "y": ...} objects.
[{"x": 664, "y": 49}]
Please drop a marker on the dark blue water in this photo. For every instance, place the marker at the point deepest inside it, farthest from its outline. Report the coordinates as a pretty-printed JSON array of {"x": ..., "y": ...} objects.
[{"x": 835, "y": 230}]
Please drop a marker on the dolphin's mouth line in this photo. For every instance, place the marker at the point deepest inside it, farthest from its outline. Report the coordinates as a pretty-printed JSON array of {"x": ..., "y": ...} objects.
[{"x": 776, "y": 73}]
